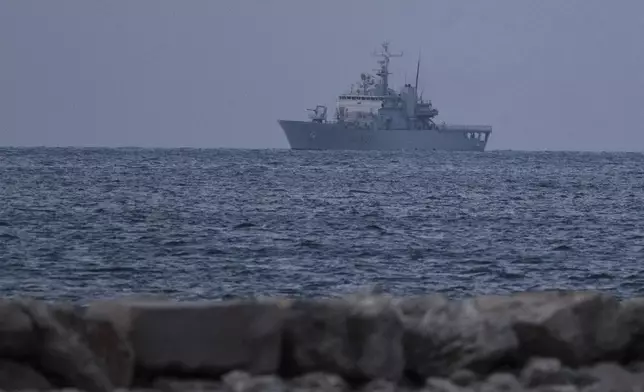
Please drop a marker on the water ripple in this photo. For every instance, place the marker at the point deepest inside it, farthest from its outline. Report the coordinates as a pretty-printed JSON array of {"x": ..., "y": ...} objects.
[{"x": 86, "y": 223}]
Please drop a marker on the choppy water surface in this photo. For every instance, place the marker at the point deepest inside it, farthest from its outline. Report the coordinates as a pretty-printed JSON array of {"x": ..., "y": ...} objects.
[{"x": 82, "y": 223}]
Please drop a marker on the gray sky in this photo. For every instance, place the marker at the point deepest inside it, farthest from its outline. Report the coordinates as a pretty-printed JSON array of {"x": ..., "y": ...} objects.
[{"x": 546, "y": 74}]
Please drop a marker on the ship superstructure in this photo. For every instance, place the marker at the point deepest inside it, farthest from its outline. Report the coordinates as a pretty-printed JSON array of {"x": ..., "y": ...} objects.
[{"x": 373, "y": 116}]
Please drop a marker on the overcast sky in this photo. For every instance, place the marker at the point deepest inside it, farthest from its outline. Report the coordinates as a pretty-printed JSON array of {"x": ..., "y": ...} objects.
[{"x": 546, "y": 74}]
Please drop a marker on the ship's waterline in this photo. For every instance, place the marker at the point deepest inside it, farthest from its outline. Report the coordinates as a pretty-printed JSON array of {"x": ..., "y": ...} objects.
[
  {"x": 372, "y": 116},
  {"x": 304, "y": 135}
]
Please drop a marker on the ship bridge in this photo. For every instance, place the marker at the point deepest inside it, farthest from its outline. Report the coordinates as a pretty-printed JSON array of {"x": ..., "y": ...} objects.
[
  {"x": 360, "y": 97},
  {"x": 352, "y": 105}
]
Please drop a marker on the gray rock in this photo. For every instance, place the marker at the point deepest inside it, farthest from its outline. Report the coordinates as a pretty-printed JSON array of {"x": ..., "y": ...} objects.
[
  {"x": 57, "y": 339},
  {"x": 185, "y": 385},
  {"x": 18, "y": 338},
  {"x": 632, "y": 315},
  {"x": 501, "y": 382},
  {"x": 576, "y": 327},
  {"x": 16, "y": 376},
  {"x": 556, "y": 388},
  {"x": 358, "y": 340},
  {"x": 136, "y": 389},
  {"x": 545, "y": 372},
  {"x": 636, "y": 367},
  {"x": 463, "y": 377},
  {"x": 417, "y": 306},
  {"x": 202, "y": 338},
  {"x": 611, "y": 377},
  {"x": 380, "y": 386},
  {"x": 452, "y": 336},
  {"x": 62, "y": 353},
  {"x": 112, "y": 351},
  {"x": 238, "y": 381},
  {"x": 319, "y": 382},
  {"x": 435, "y": 384}
]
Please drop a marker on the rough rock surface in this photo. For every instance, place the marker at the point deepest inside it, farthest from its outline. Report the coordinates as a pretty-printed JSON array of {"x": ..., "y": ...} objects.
[
  {"x": 463, "y": 377},
  {"x": 18, "y": 376},
  {"x": 611, "y": 377},
  {"x": 319, "y": 382},
  {"x": 443, "y": 336},
  {"x": 111, "y": 349},
  {"x": 17, "y": 332},
  {"x": 201, "y": 338},
  {"x": 62, "y": 354},
  {"x": 62, "y": 346},
  {"x": 356, "y": 339},
  {"x": 545, "y": 371},
  {"x": 578, "y": 328},
  {"x": 538, "y": 341},
  {"x": 632, "y": 316},
  {"x": 501, "y": 381}
]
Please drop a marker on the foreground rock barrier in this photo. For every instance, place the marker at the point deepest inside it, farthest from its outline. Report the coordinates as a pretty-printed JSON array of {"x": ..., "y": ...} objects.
[{"x": 548, "y": 341}]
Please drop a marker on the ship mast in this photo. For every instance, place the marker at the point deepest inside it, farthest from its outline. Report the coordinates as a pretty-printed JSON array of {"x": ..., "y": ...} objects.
[
  {"x": 383, "y": 72},
  {"x": 417, "y": 73}
]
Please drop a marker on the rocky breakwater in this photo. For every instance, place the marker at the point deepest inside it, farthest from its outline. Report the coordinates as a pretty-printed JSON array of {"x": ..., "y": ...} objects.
[{"x": 540, "y": 341}]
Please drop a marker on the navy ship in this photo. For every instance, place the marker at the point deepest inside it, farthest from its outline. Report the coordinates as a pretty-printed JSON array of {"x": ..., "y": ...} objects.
[{"x": 372, "y": 116}]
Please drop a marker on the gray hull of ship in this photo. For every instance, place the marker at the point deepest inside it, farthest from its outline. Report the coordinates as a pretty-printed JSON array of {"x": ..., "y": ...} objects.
[{"x": 305, "y": 135}]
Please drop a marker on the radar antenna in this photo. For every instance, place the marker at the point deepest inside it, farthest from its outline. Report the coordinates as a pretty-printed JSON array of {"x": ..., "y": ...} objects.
[{"x": 383, "y": 72}]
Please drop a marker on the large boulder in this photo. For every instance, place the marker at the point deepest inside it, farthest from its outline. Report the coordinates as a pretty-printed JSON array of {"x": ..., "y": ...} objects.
[
  {"x": 43, "y": 338},
  {"x": 62, "y": 346},
  {"x": 18, "y": 337},
  {"x": 577, "y": 328},
  {"x": 611, "y": 377},
  {"x": 632, "y": 315},
  {"x": 16, "y": 376},
  {"x": 359, "y": 339},
  {"x": 542, "y": 372},
  {"x": 112, "y": 351},
  {"x": 443, "y": 336},
  {"x": 319, "y": 382},
  {"x": 482, "y": 333},
  {"x": 207, "y": 338},
  {"x": 63, "y": 355}
]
